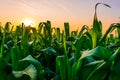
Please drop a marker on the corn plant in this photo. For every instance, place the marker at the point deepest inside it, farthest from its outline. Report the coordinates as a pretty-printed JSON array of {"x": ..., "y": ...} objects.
[
  {"x": 96, "y": 32},
  {"x": 49, "y": 53}
]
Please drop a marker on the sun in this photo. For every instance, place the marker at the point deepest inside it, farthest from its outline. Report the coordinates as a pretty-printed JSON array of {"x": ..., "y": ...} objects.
[{"x": 28, "y": 23}]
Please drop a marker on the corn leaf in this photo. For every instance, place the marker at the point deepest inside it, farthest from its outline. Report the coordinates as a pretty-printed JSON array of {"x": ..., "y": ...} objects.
[
  {"x": 37, "y": 64},
  {"x": 58, "y": 34},
  {"x": 63, "y": 67},
  {"x": 102, "y": 70},
  {"x": 99, "y": 52},
  {"x": 115, "y": 70},
  {"x": 78, "y": 49},
  {"x": 88, "y": 68},
  {"x": 49, "y": 50},
  {"x": 30, "y": 71},
  {"x": 67, "y": 30},
  {"x": 85, "y": 27}
]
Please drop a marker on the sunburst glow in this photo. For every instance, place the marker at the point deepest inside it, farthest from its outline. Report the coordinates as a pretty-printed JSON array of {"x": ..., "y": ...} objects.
[{"x": 28, "y": 23}]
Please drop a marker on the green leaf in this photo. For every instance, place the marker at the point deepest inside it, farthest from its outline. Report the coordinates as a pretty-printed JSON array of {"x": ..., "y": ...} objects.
[
  {"x": 58, "y": 34},
  {"x": 48, "y": 32},
  {"x": 69, "y": 43},
  {"x": 85, "y": 27},
  {"x": 37, "y": 64},
  {"x": 63, "y": 66},
  {"x": 30, "y": 71},
  {"x": 7, "y": 27},
  {"x": 40, "y": 27},
  {"x": 6, "y": 30},
  {"x": 107, "y": 5},
  {"x": 115, "y": 70},
  {"x": 76, "y": 67},
  {"x": 67, "y": 30},
  {"x": 110, "y": 29},
  {"x": 15, "y": 56},
  {"x": 114, "y": 75},
  {"x": 93, "y": 36},
  {"x": 86, "y": 70},
  {"x": 97, "y": 26},
  {"x": 98, "y": 52},
  {"x": 102, "y": 70},
  {"x": 49, "y": 50},
  {"x": 78, "y": 49}
]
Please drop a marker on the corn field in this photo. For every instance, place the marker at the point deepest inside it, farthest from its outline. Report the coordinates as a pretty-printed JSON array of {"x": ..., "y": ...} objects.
[{"x": 49, "y": 53}]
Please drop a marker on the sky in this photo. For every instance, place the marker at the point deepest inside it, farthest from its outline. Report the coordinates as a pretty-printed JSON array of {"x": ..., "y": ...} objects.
[{"x": 76, "y": 12}]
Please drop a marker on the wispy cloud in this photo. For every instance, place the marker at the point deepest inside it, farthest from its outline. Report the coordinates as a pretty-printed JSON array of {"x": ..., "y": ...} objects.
[
  {"x": 60, "y": 5},
  {"x": 37, "y": 4},
  {"x": 27, "y": 6}
]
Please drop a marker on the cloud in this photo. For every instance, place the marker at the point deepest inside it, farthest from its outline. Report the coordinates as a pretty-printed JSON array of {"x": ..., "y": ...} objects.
[{"x": 36, "y": 4}]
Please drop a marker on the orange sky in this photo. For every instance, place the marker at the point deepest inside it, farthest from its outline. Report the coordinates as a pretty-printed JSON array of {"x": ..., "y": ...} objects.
[{"x": 76, "y": 12}]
